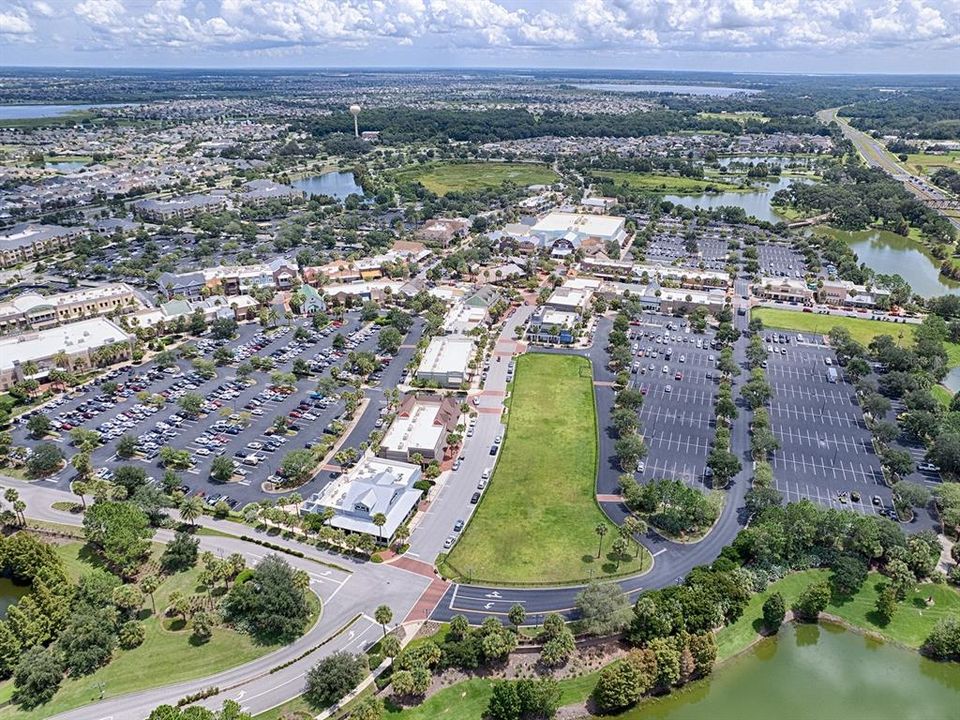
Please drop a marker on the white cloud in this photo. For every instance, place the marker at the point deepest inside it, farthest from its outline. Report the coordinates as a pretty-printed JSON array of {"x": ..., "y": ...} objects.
[
  {"x": 43, "y": 9},
  {"x": 616, "y": 26},
  {"x": 15, "y": 25}
]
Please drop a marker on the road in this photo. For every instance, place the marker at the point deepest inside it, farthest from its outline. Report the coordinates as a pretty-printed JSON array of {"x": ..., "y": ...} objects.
[{"x": 877, "y": 155}]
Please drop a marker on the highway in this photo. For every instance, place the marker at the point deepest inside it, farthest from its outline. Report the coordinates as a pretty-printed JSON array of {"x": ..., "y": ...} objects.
[{"x": 877, "y": 155}]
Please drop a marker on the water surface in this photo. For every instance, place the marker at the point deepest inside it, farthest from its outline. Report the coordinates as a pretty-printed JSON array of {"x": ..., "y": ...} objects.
[
  {"x": 712, "y": 90},
  {"x": 10, "y": 594},
  {"x": 755, "y": 202},
  {"x": 25, "y": 112},
  {"x": 813, "y": 672},
  {"x": 334, "y": 184}
]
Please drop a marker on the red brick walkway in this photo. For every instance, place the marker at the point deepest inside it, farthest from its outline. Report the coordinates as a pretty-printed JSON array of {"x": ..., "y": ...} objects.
[{"x": 428, "y": 601}]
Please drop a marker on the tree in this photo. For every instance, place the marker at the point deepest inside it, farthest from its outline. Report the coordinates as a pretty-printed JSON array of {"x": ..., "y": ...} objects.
[
  {"x": 849, "y": 574},
  {"x": 601, "y": 529},
  {"x": 886, "y": 606},
  {"x": 630, "y": 450},
  {"x": 379, "y": 519},
  {"x": 332, "y": 678},
  {"x": 221, "y": 470},
  {"x": 516, "y": 615},
  {"x": 127, "y": 446},
  {"x": 668, "y": 662},
  {"x": 756, "y": 392},
  {"x": 383, "y": 615},
  {"x": 602, "y": 609},
  {"x": 272, "y": 605},
  {"x": 298, "y": 465},
  {"x": 812, "y": 601},
  {"x": 774, "y": 611},
  {"x": 121, "y": 532},
  {"x": 45, "y": 460},
  {"x": 130, "y": 478},
  {"x": 131, "y": 634},
  {"x": 149, "y": 585},
  {"x": 37, "y": 677},
  {"x": 180, "y": 553},
  {"x": 88, "y": 640},
  {"x": 191, "y": 403},
  {"x": 191, "y": 508},
  {"x": 128, "y": 599},
  {"x": 622, "y": 683},
  {"x": 943, "y": 643},
  {"x": 202, "y": 626},
  {"x": 389, "y": 340},
  {"x": 367, "y": 708},
  {"x": 39, "y": 425},
  {"x": 724, "y": 465}
]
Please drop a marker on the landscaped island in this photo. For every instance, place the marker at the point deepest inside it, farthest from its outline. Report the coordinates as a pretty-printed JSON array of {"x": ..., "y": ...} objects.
[{"x": 537, "y": 522}]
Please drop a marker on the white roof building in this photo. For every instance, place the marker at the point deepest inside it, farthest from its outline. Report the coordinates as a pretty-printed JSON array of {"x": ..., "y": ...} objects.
[{"x": 446, "y": 360}]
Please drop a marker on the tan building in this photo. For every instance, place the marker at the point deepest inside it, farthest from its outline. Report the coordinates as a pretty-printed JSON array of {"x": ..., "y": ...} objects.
[
  {"x": 784, "y": 289},
  {"x": 443, "y": 231},
  {"x": 30, "y": 241},
  {"x": 32, "y": 311},
  {"x": 421, "y": 427}
]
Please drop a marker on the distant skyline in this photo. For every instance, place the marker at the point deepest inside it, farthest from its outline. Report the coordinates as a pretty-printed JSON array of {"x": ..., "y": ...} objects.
[{"x": 792, "y": 36}]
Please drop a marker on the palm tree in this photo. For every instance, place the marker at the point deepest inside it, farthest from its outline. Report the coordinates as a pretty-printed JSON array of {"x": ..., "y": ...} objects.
[
  {"x": 402, "y": 533},
  {"x": 61, "y": 359},
  {"x": 601, "y": 530},
  {"x": 191, "y": 509},
  {"x": 79, "y": 488},
  {"x": 19, "y": 507},
  {"x": 633, "y": 526},
  {"x": 29, "y": 368},
  {"x": 383, "y": 615},
  {"x": 380, "y": 520},
  {"x": 149, "y": 585}
]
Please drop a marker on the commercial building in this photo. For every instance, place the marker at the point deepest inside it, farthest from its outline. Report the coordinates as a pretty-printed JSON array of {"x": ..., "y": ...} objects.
[
  {"x": 238, "y": 307},
  {"x": 695, "y": 279},
  {"x": 845, "y": 292},
  {"x": 30, "y": 241},
  {"x": 446, "y": 361},
  {"x": 552, "y": 327},
  {"x": 79, "y": 342},
  {"x": 278, "y": 274},
  {"x": 32, "y": 311},
  {"x": 562, "y": 233},
  {"x": 181, "y": 208},
  {"x": 443, "y": 231},
  {"x": 420, "y": 427},
  {"x": 373, "y": 487},
  {"x": 784, "y": 289}
]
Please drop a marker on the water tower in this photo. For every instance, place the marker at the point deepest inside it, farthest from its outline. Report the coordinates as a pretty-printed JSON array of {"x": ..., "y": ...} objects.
[{"x": 355, "y": 111}]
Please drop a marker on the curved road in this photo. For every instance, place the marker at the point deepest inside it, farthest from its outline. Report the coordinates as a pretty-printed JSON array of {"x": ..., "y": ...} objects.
[{"x": 350, "y": 591}]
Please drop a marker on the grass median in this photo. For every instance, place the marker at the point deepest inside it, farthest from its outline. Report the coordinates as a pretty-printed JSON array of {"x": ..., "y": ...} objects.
[{"x": 536, "y": 523}]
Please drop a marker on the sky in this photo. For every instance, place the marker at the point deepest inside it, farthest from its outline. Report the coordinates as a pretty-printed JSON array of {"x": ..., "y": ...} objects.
[{"x": 814, "y": 36}]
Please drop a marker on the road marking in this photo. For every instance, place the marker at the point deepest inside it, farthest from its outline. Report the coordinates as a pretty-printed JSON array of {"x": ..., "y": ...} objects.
[{"x": 659, "y": 552}]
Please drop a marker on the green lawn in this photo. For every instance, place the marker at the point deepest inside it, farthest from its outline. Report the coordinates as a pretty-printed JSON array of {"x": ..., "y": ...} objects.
[
  {"x": 862, "y": 330},
  {"x": 536, "y": 522},
  {"x": 910, "y": 626},
  {"x": 927, "y": 164},
  {"x": 166, "y": 656},
  {"x": 664, "y": 183},
  {"x": 442, "y": 178}
]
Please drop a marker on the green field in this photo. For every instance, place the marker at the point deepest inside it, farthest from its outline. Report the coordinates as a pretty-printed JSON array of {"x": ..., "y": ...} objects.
[
  {"x": 862, "y": 330},
  {"x": 536, "y": 522},
  {"x": 910, "y": 626},
  {"x": 166, "y": 655},
  {"x": 926, "y": 164},
  {"x": 442, "y": 178},
  {"x": 740, "y": 117},
  {"x": 664, "y": 183}
]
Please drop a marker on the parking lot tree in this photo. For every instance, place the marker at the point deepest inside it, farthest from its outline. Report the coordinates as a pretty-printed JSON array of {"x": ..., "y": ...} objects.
[
  {"x": 130, "y": 478},
  {"x": 725, "y": 407},
  {"x": 223, "y": 328},
  {"x": 191, "y": 403},
  {"x": 84, "y": 439},
  {"x": 198, "y": 324},
  {"x": 945, "y": 452},
  {"x": 244, "y": 370},
  {"x": 127, "y": 446},
  {"x": 389, "y": 340},
  {"x": 812, "y": 601},
  {"x": 724, "y": 465},
  {"x": 298, "y": 465},
  {"x": 221, "y": 470},
  {"x": 875, "y": 404},
  {"x": 602, "y": 608},
  {"x": 630, "y": 398},
  {"x": 165, "y": 359},
  {"x": 45, "y": 460},
  {"x": 223, "y": 356},
  {"x": 756, "y": 391},
  {"x": 620, "y": 357},
  {"x": 624, "y": 420},
  {"x": 756, "y": 352},
  {"x": 885, "y": 431},
  {"x": 39, "y": 425},
  {"x": 332, "y": 678},
  {"x": 339, "y": 342},
  {"x": 774, "y": 612},
  {"x": 630, "y": 449},
  {"x": 170, "y": 457},
  {"x": 204, "y": 368},
  {"x": 727, "y": 364},
  {"x": 120, "y": 533}
]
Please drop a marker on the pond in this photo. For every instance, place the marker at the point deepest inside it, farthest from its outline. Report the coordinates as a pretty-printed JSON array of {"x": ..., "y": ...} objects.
[
  {"x": 888, "y": 253},
  {"x": 65, "y": 165},
  {"x": 25, "y": 112},
  {"x": 817, "y": 672},
  {"x": 756, "y": 202},
  {"x": 710, "y": 90},
  {"x": 334, "y": 184},
  {"x": 10, "y": 594}
]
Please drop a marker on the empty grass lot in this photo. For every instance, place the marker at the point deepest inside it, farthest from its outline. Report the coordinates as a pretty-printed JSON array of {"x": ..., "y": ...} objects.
[
  {"x": 861, "y": 329},
  {"x": 442, "y": 178},
  {"x": 664, "y": 183},
  {"x": 166, "y": 656},
  {"x": 536, "y": 522}
]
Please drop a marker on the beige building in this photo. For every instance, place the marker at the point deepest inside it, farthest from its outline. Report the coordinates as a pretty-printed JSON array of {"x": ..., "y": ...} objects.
[
  {"x": 421, "y": 426},
  {"x": 30, "y": 241},
  {"x": 784, "y": 289},
  {"x": 32, "y": 311}
]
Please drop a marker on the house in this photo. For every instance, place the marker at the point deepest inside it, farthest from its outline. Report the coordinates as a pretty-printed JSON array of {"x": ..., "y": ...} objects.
[
  {"x": 79, "y": 342},
  {"x": 484, "y": 297},
  {"x": 443, "y": 231},
  {"x": 32, "y": 311},
  {"x": 312, "y": 301},
  {"x": 551, "y": 326},
  {"x": 373, "y": 487},
  {"x": 420, "y": 427},
  {"x": 501, "y": 273},
  {"x": 446, "y": 361},
  {"x": 30, "y": 241}
]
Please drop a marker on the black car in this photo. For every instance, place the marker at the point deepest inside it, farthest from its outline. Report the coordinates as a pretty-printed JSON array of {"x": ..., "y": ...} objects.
[
  {"x": 493, "y": 449},
  {"x": 475, "y": 499}
]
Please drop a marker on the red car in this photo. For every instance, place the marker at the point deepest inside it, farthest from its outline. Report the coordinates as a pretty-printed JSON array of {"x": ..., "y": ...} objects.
[{"x": 678, "y": 376}]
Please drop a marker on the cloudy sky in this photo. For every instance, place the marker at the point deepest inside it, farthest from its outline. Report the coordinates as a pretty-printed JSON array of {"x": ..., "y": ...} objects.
[{"x": 902, "y": 36}]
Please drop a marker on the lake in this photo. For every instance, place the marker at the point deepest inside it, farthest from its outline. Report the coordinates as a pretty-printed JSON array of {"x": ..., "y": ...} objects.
[
  {"x": 711, "y": 90},
  {"x": 334, "y": 184},
  {"x": 816, "y": 672},
  {"x": 888, "y": 253},
  {"x": 24, "y": 112},
  {"x": 755, "y": 202},
  {"x": 10, "y": 594},
  {"x": 66, "y": 165}
]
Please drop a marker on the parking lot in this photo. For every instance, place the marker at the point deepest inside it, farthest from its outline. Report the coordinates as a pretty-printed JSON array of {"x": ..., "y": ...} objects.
[
  {"x": 779, "y": 260},
  {"x": 237, "y": 416},
  {"x": 826, "y": 452},
  {"x": 676, "y": 370},
  {"x": 667, "y": 248}
]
